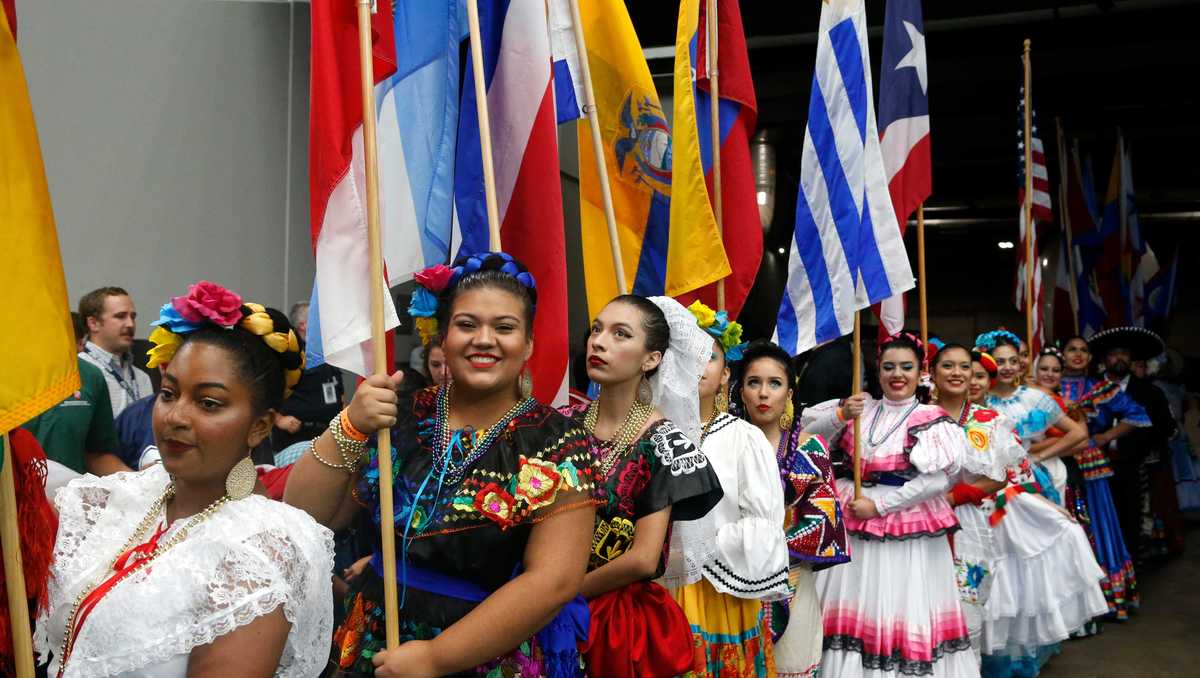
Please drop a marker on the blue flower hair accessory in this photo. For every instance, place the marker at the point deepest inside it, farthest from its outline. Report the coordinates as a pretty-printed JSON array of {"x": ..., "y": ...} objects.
[
  {"x": 717, "y": 324},
  {"x": 987, "y": 340}
]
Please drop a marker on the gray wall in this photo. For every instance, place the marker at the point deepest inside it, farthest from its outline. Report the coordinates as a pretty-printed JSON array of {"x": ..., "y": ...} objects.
[{"x": 165, "y": 131}]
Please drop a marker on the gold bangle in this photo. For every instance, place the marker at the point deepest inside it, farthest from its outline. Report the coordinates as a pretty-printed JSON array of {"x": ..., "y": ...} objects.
[
  {"x": 312, "y": 447},
  {"x": 350, "y": 449}
]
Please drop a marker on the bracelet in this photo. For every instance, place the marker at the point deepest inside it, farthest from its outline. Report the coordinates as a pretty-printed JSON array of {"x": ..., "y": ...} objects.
[
  {"x": 841, "y": 417},
  {"x": 348, "y": 427},
  {"x": 312, "y": 447},
  {"x": 350, "y": 449}
]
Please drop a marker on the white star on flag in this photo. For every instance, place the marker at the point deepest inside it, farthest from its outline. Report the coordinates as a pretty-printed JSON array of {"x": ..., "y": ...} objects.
[{"x": 916, "y": 56}]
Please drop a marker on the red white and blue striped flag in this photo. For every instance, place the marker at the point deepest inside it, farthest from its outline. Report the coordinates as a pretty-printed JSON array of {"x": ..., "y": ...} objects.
[
  {"x": 904, "y": 121},
  {"x": 517, "y": 64},
  {"x": 1041, "y": 212}
]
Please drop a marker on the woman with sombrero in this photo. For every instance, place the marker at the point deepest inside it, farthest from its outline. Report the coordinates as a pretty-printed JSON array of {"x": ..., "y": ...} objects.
[{"x": 1148, "y": 519}]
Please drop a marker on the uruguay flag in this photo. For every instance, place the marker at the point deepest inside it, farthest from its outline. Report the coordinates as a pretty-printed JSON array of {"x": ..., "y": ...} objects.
[
  {"x": 846, "y": 251},
  {"x": 904, "y": 119},
  {"x": 521, "y": 102}
]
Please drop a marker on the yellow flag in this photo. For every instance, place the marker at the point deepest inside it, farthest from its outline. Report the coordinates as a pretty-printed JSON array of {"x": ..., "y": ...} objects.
[
  {"x": 662, "y": 252},
  {"x": 36, "y": 338}
]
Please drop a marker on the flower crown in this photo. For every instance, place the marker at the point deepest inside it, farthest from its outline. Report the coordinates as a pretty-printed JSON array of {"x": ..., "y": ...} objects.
[
  {"x": 718, "y": 326},
  {"x": 436, "y": 280},
  {"x": 989, "y": 364},
  {"x": 987, "y": 340},
  {"x": 208, "y": 304}
]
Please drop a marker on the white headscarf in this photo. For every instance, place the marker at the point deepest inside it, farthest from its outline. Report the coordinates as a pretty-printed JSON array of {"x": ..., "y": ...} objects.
[{"x": 676, "y": 384}]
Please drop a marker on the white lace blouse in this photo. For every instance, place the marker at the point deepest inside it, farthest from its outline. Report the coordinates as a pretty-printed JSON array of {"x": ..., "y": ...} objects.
[
  {"x": 245, "y": 561},
  {"x": 740, "y": 545}
]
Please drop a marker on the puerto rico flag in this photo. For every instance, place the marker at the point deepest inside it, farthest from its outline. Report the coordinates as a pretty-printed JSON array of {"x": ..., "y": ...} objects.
[
  {"x": 904, "y": 119},
  {"x": 517, "y": 64}
]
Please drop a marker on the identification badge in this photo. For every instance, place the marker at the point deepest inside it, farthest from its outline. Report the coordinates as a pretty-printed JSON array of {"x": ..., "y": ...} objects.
[{"x": 329, "y": 389}]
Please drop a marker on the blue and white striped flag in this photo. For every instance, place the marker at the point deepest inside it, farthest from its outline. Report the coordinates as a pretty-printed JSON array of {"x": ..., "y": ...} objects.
[{"x": 847, "y": 252}]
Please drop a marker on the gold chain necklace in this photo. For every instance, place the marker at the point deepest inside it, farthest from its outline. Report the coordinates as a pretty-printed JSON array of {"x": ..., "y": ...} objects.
[
  {"x": 626, "y": 435},
  {"x": 712, "y": 418},
  {"x": 136, "y": 538}
]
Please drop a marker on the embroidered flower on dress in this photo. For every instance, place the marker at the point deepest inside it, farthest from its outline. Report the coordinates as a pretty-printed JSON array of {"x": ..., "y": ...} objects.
[
  {"x": 630, "y": 482},
  {"x": 537, "y": 482},
  {"x": 983, "y": 416},
  {"x": 209, "y": 301},
  {"x": 978, "y": 438},
  {"x": 493, "y": 502}
]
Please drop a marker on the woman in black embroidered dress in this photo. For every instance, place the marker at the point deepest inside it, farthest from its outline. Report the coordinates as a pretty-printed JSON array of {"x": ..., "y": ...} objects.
[
  {"x": 494, "y": 498},
  {"x": 652, "y": 474}
]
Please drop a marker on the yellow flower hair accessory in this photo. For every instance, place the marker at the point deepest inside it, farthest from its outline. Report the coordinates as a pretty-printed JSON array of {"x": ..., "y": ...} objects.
[
  {"x": 165, "y": 343},
  {"x": 427, "y": 328},
  {"x": 717, "y": 324}
]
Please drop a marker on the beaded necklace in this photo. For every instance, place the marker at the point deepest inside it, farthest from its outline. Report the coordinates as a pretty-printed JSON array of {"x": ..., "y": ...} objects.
[
  {"x": 616, "y": 447},
  {"x": 445, "y": 463},
  {"x": 120, "y": 573},
  {"x": 895, "y": 427}
]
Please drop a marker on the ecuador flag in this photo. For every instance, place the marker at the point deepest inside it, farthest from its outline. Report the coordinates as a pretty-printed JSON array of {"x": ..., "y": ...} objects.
[
  {"x": 40, "y": 367},
  {"x": 669, "y": 239}
]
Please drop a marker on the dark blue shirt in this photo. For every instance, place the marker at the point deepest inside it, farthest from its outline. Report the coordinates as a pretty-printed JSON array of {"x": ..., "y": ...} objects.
[{"x": 135, "y": 430}]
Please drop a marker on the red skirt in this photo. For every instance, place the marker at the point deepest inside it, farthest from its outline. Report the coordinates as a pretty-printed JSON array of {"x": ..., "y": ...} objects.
[{"x": 637, "y": 631}]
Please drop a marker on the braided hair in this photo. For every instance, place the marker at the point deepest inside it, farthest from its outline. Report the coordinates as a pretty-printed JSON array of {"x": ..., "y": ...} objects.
[{"x": 490, "y": 270}]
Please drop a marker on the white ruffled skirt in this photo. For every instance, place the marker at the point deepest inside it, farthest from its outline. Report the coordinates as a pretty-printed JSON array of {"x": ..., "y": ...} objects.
[
  {"x": 1045, "y": 582},
  {"x": 894, "y": 610}
]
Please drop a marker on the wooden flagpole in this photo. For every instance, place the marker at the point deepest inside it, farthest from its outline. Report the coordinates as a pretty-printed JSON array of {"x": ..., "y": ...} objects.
[
  {"x": 485, "y": 127},
  {"x": 921, "y": 274},
  {"x": 378, "y": 335},
  {"x": 1064, "y": 175},
  {"x": 711, "y": 40},
  {"x": 14, "y": 572},
  {"x": 589, "y": 109},
  {"x": 1030, "y": 231},
  {"x": 855, "y": 389}
]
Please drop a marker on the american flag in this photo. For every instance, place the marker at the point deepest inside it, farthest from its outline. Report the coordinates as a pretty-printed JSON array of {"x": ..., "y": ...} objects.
[{"x": 1041, "y": 212}]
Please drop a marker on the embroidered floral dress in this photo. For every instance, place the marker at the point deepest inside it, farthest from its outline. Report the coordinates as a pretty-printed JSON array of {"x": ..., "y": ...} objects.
[
  {"x": 1032, "y": 413},
  {"x": 466, "y": 537},
  {"x": 748, "y": 561},
  {"x": 251, "y": 557},
  {"x": 1102, "y": 404},
  {"x": 1025, "y": 571},
  {"x": 638, "y": 630},
  {"x": 894, "y": 609},
  {"x": 816, "y": 539}
]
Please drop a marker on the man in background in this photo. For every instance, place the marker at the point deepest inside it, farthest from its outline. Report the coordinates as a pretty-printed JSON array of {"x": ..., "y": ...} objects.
[{"x": 111, "y": 319}]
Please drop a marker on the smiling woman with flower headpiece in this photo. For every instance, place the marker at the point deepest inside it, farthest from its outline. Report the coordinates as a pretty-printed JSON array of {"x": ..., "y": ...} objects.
[
  {"x": 180, "y": 569},
  {"x": 494, "y": 495}
]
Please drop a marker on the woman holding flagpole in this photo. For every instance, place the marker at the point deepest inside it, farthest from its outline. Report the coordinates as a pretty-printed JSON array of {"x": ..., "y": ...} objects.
[
  {"x": 894, "y": 609},
  {"x": 816, "y": 535},
  {"x": 494, "y": 496},
  {"x": 648, "y": 356}
]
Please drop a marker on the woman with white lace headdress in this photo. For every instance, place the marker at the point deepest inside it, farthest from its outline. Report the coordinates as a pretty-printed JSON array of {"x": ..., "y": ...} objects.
[
  {"x": 180, "y": 569},
  {"x": 723, "y": 594},
  {"x": 647, "y": 355}
]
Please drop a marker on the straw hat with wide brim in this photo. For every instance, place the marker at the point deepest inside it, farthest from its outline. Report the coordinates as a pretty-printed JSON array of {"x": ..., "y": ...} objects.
[{"x": 1141, "y": 342}]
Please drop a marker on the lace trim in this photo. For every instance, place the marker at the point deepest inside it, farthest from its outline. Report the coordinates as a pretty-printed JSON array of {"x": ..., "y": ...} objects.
[{"x": 895, "y": 662}]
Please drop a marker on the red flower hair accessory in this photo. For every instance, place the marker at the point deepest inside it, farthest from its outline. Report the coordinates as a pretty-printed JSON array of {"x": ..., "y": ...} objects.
[
  {"x": 209, "y": 301},
  {"x": 434, "y": 278}
]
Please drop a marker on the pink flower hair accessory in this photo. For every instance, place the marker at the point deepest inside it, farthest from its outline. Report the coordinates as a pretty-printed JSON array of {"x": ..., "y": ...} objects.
[
  {"x": 208, "y": 301},
  {"x": 434, "y": 278}
]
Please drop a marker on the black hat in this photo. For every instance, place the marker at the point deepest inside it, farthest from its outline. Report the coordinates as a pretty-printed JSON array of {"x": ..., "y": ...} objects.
[{"x": 1141, "y": 342}]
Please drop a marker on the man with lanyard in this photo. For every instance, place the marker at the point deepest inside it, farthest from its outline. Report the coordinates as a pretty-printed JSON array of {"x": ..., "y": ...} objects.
[
  {"x": 111, "y": 320},
  {"x": 1139, "y": 453}
]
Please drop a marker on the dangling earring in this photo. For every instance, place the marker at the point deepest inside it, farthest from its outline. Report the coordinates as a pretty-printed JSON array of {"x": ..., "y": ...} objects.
[
  {"x": 240, "y": 481},
  {"x": 788, "y": 417},
  {"x": 722, "y": 404},
  {"x": 645, "y": 394},
  {"x": 525, "y": 384}
]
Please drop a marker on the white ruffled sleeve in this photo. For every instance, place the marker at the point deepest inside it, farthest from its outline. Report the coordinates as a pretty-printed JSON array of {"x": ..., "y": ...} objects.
[
  {"x": 937, "y": 453},
  {"x": 752, "y": 558},
  {"x": 992, "y": 447},
  {"x": 822, "y": 419}
]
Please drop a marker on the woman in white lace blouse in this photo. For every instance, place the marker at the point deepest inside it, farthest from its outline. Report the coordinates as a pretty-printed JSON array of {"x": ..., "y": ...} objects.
[{"x": 180, "y": 570}]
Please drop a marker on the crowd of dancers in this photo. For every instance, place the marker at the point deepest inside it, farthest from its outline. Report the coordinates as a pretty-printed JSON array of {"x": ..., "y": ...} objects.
[{"x": 688, "y": 520}]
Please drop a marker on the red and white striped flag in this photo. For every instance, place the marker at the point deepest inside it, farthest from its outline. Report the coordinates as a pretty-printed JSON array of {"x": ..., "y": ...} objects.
[{"x": 1041, "y": 212}]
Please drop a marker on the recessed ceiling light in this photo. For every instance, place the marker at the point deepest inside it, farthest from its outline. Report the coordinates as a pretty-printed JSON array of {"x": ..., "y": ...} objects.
[{"x": 1005, "y": 244}]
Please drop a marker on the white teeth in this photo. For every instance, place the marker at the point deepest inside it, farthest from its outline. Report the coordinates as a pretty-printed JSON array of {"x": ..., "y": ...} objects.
[{"x": 482, "y": 359}]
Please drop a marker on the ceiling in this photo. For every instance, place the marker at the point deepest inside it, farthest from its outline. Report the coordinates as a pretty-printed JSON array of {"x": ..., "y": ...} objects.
[{"x": 1097, "y": 66}]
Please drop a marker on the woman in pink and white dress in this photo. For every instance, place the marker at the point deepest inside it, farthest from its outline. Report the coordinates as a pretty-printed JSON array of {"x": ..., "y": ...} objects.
[{"x": 894, "y": 609}]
